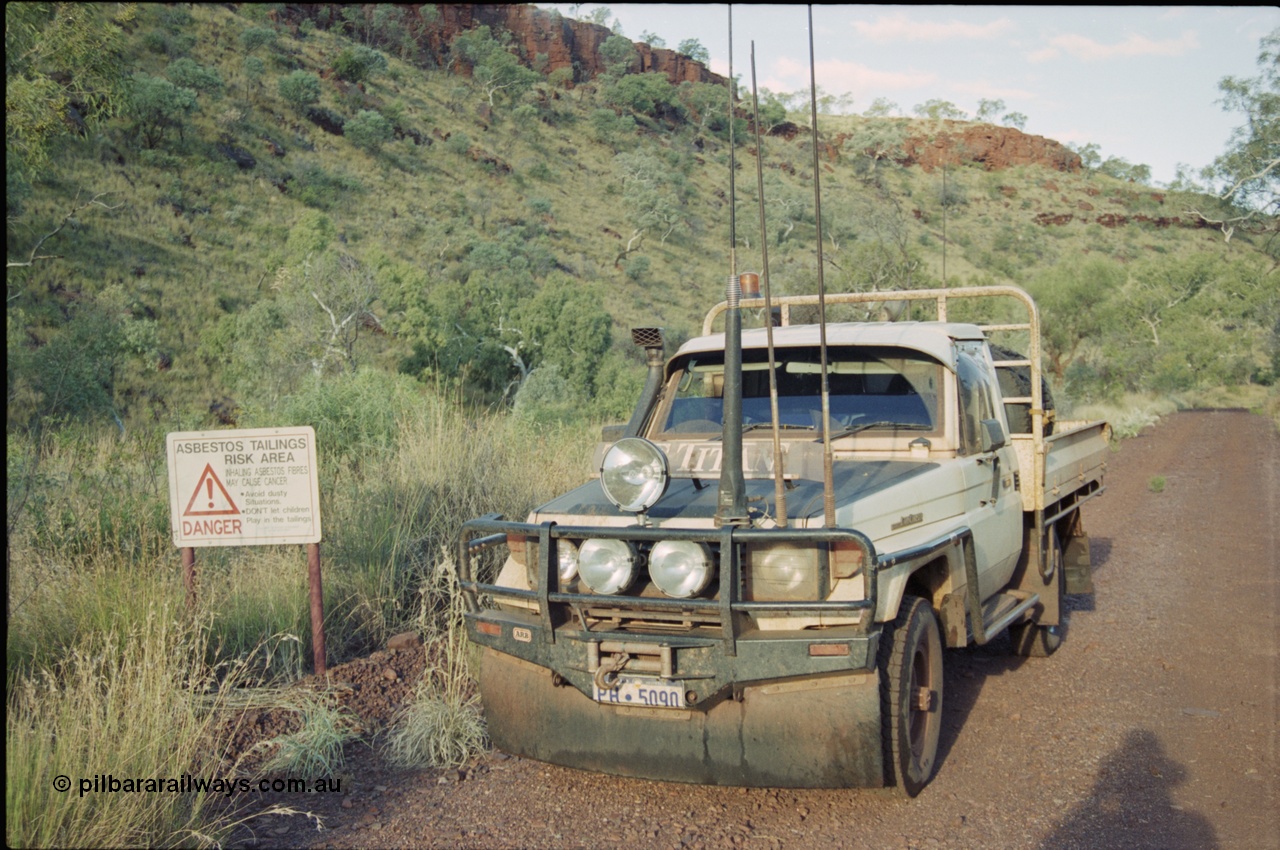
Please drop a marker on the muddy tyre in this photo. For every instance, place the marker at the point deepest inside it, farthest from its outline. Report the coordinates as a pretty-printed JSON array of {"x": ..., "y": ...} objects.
[
  {"x": 911, "y": 696},
  {"x": 1031, "y": 639}
]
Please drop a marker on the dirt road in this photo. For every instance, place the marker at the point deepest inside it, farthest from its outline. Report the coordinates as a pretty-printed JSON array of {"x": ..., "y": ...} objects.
[{"x": 1154, "y": 726}]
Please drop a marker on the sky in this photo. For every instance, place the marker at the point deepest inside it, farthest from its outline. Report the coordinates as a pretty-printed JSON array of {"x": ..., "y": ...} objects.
[{"x": 1139, "y": 82}]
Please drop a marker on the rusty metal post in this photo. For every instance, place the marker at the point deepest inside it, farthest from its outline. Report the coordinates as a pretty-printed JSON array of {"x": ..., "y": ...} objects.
[
  {"x": 317, "y": 607},
  {"x": 189, "y": 575}
]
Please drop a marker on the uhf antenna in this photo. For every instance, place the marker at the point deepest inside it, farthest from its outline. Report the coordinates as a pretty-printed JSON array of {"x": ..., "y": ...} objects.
[
  {"x": 828, "y": 486},
  {"x": 731, "y": 501},
  {"x": 779, "y": 485}
]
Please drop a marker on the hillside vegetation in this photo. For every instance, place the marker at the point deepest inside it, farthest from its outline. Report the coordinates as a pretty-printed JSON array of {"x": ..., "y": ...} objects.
[
  {"x": 430, "y": 247},
  {"x": 276, "y": 200}
]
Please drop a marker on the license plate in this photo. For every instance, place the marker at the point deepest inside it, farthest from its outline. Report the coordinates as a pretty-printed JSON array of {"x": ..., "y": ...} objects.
[{"x": 645, "y": 693}]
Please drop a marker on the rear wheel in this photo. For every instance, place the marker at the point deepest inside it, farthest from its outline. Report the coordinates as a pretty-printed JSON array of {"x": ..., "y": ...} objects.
[
  {"x": 911, "y": 696},
  {"x": 1032, "y": 639}
]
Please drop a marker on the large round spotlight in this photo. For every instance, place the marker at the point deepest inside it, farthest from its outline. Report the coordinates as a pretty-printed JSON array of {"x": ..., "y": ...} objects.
[
  {"x": 607, "y": 566},
  {"x": 566, "y": 560},
  {"x": 680, "y": 568},
  {"x": 634, "y": 474}
]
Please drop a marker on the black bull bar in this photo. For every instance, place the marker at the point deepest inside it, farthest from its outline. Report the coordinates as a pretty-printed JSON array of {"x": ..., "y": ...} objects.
[{"x": 772, "y": 709}]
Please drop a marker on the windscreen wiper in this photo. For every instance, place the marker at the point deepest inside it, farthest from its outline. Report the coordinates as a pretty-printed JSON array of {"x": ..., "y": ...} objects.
[
  {"x": 863, "y": 426},
  {"x": 782, "y": 426}
]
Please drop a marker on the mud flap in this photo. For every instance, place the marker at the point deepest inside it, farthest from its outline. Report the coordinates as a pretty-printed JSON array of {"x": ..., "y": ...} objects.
[
  {"x": 1077, "y": 565},
  {"x": 815, "y": 733}
]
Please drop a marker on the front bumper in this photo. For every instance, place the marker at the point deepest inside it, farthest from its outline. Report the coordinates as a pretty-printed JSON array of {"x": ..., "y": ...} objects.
[
  {"x": 762, "y": 708},
  {"x": 819, "y": 732}
]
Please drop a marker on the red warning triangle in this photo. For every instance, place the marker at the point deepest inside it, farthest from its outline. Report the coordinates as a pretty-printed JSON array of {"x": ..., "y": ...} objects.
[{"x": 210, "y": 497}]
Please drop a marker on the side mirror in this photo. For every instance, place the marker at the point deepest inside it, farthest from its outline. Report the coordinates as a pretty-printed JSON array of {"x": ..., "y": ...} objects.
[{"x": 991, "y": 433}]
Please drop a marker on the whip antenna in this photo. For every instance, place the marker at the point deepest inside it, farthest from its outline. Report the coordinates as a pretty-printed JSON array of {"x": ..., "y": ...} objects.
[
  {"x": 779, "y": 484},
  {"x": 828, "y": 486},
  {"x": 731, "y": 501}
]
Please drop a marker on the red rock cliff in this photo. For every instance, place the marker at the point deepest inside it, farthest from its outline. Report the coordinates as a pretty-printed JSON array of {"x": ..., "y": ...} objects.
[
  {"x": 566, "y": 43},
  {"x": 990, "y": 146}
]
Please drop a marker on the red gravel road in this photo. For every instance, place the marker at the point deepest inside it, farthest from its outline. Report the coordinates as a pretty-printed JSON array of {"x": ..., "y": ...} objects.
[{"x": 1154, "y": 726}]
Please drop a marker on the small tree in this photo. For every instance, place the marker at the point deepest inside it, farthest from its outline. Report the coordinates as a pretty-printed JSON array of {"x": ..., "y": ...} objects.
[
  {"x": 881, "y": 107},
  {"x": 620, "y": 56},
  {"x": 1016, "y": 120},
  {"x": 938, "y": 109},
  {"x": 647, "y": 94},
  {"x": 359, "y": 63},
  {"x": 369, "y": 130},
  {"x": 255, "y": 38},
  {"x": 254, "y": 69},
  {"x": 157, "y": 106},
  {"x": 300, "y": 89},
  {"x": 493, "y": 66},
  {"x": 187, "y": 73},
  {"x": 988, "y": 110},
  {"x": 693, "y": 48}
]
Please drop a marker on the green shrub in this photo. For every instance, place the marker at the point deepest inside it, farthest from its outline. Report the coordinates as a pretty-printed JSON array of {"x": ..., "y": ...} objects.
[
  {"x": 458, "y": 143},
  {"x": 300, "y": 89},
  {"x": 369, "y": 130},
  {"x": 358, "y": 63},
  {"x": 255, "y": 38},
  {"x": 187, "y": 73}
]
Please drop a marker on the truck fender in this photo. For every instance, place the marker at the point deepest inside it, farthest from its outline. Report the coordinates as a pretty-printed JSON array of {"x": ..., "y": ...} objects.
[{"x": 945, "y": 585}]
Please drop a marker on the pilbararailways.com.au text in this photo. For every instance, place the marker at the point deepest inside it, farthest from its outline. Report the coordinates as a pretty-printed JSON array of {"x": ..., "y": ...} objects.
[{"x": 106, "y": 783}]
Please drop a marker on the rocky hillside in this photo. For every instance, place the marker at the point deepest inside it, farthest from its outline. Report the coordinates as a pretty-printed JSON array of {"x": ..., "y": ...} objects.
[
  {"x": 564, "y": 42},
  {"x": 556, "y": 42}
]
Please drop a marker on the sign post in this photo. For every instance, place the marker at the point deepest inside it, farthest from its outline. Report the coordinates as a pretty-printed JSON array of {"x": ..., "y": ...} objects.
[{"x": 248, "y": 488}]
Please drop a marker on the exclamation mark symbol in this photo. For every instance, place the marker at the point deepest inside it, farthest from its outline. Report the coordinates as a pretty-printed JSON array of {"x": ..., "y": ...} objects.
[{"x": 208, "y": 483}]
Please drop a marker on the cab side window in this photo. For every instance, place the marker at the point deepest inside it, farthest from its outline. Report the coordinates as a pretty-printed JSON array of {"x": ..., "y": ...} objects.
[{"x": 977, "y": 401}]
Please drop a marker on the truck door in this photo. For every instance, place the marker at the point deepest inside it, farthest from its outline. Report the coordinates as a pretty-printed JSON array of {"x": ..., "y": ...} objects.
[{"x": 992, "y": 504}]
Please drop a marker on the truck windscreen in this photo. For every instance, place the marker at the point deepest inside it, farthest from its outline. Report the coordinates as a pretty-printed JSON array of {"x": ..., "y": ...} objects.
[{"x": 883, "y": 388}]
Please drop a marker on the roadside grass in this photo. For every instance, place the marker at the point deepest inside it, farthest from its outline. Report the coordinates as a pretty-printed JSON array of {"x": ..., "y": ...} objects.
[
  {"x": 1133, "y": 412},
  {"x": 1129, "y": 415},
  {"x": 130, "y": 705},
  {"x": 109, "y": 673},
  {"x": 314, "y": 752},
  {"x": 443, "y": 725}
]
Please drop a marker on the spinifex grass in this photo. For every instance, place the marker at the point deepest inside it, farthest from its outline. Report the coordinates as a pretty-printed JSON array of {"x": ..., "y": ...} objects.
[
  {"x": 442, "y": 727},
  {"x": 313, "y": 752}
]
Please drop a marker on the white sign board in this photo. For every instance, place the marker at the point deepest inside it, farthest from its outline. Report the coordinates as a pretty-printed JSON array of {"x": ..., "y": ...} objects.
[{"x": 244, "y": 488}]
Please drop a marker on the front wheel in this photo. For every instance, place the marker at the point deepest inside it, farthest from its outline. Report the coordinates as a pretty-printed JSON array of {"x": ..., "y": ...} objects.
[{"x": 911, "y": 696}]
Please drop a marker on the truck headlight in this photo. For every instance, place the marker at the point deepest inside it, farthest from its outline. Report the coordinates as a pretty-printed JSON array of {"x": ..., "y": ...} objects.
[
  {"x": 783, "y": 572},
  {"x": 634, "y": 474},
  {"x": 566, "y": 560},
  {"x": 607, "y": 566},
  {"x": 680, "y": 568}
]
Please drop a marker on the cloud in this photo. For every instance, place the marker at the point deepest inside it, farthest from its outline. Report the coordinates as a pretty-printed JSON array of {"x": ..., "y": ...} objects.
[
  {"x": 1088, "y": 50},
  {"x": 903, "y": 28},
  {"x": 993, "y": 90},
  {"x": 838, "y": 76}
]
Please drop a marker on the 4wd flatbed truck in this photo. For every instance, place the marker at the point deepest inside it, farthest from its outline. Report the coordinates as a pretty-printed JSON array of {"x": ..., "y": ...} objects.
[{"x": 674, "y": 618}]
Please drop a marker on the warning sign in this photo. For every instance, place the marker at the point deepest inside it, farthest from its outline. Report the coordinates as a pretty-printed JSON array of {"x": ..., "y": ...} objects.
[
  {"x": 209, "y": 480},
  {"x": 244, "y": 488}
]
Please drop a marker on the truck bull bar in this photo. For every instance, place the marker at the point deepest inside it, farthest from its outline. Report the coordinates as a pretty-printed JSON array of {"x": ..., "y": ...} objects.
[{"x": 488, "y": 531}]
